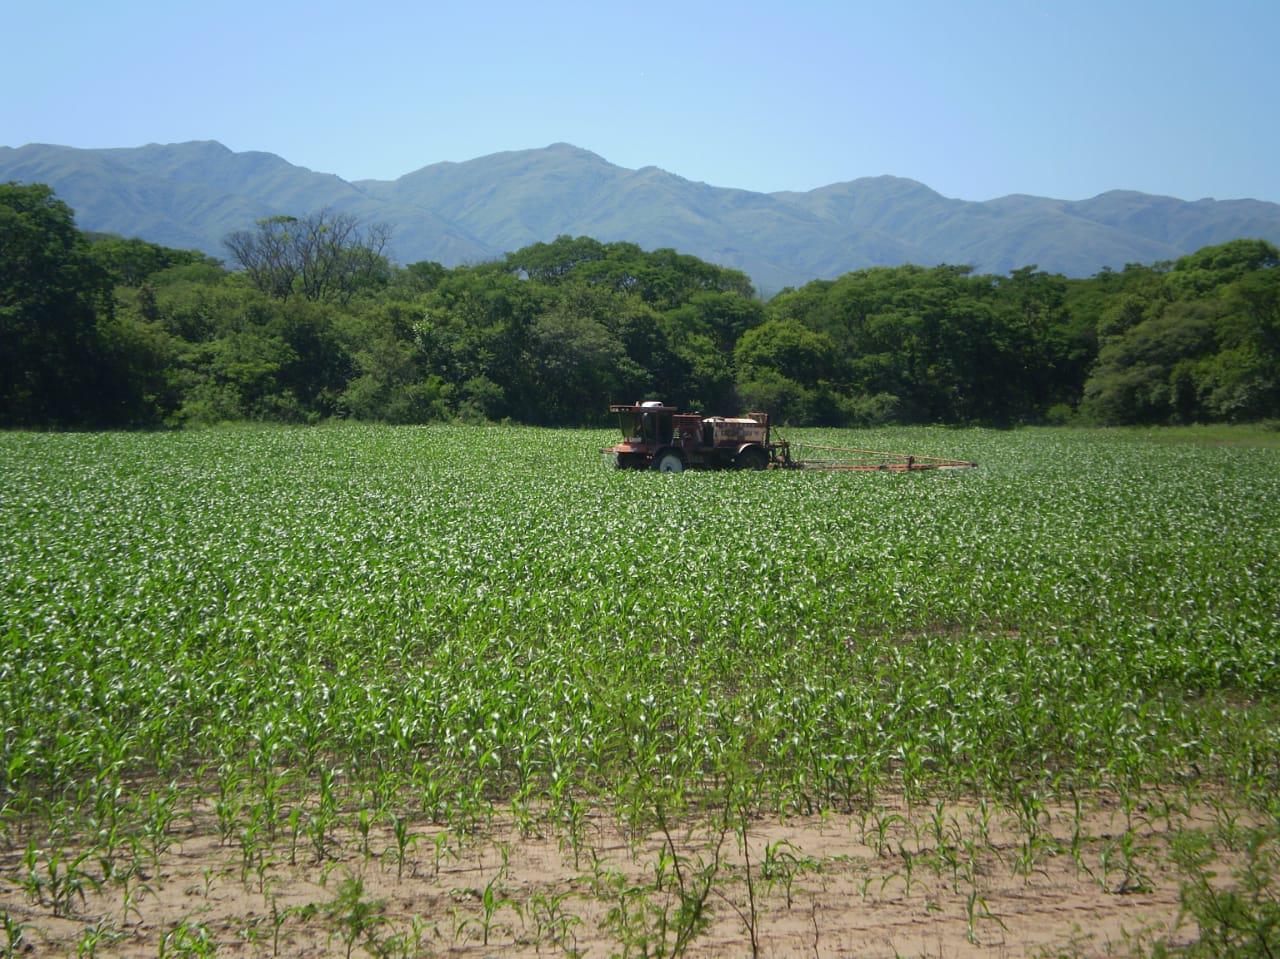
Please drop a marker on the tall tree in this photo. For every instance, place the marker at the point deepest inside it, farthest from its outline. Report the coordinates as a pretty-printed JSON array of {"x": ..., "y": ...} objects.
[
  {"x": 131, "y": 261},
  {"x": 51, "y": 293},
  {"x": 1201, "y": 342},
  {"x": 326, "y": 256}
]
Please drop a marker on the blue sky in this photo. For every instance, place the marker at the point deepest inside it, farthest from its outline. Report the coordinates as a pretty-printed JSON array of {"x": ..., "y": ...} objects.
[{"x": 977, "y": 100}]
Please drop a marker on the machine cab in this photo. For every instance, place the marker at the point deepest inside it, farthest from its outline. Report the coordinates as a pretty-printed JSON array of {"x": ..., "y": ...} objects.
[{"x": 646, "y": 424}]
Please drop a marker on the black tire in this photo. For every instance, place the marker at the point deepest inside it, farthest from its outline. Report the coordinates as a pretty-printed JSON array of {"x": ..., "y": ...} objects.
[
  {"x": 752, "y": 458},
  {"x": 668, "y": 461}
]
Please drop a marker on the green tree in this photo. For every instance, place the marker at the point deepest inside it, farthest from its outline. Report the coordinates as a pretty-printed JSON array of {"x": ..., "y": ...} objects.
[
  {"x": 721, "y": 316},
  {"x": 393, "y": 380},
  {"x": 784, "y": 367},
  {"x": 51, "y": 295},
  {"x": 1201, "y": 343},
  {"x": 417, "y": 278},
  {"x": 576, "y": 367},
  {"x": 664, "y": 279},
  {"x": 933, "y": 344},
  {"x": 1211, "y": 267},
  {"x": 1135, "y": 382},
  {"x": 477, "y": 323},
  {"x": 132, "y": 261}
]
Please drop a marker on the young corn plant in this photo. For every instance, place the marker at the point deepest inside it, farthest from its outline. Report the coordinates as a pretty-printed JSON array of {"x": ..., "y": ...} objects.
[
  {"x": 492, "y": 899},
  {"x": 103, "y": 934},
  {"x": 15, "y": 935},
  {"x": 404, "y": 843},
  {"x": 187, "y": 941},
  {"x": 356, "y": 917},
  {"x": 552, "y": 921},
  {"x": 57, "y": 880},
  {"x": 782, "y": 866}
]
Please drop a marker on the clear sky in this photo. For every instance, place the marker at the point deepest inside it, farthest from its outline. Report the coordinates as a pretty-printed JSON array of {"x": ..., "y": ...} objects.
[{"x": 976, "y": 99}]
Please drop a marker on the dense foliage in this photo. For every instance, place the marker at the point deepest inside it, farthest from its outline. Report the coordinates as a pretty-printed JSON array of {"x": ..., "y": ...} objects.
[
  {"x": 451, "y": 575},
  {"x": 1200, "y": 341},
  {"x": 439, "y": 602},
  {"x": 102, "y": 331}
]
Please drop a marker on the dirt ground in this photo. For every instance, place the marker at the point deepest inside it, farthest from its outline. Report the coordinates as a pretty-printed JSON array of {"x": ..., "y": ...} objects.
[{"x": 941, "y": 881}]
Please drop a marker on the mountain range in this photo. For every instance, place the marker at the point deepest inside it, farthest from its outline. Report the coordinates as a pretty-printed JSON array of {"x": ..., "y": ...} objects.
[{"x": 191, "y": 195}]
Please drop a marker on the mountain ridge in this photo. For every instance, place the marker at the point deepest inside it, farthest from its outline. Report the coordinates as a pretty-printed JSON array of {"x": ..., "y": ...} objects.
[{"x": 192, "y": 194}]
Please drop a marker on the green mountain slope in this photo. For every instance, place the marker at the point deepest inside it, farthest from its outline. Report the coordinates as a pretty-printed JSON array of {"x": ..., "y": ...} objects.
[{"x": 193, "y": 194}]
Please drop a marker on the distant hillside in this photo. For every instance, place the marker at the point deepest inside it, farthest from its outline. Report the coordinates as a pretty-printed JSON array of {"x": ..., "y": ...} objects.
[{"x": 193, "y": 194}]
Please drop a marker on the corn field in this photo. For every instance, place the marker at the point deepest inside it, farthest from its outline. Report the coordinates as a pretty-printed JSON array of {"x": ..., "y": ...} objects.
[{"x": 352, "y": 659}]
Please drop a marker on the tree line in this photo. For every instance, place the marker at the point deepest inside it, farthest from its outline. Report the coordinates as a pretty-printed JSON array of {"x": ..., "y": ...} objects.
[{"x": 314, "y": 322}]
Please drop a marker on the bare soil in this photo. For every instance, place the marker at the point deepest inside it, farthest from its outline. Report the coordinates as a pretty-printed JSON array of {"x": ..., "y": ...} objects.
[{"x": 872, "y": 885}]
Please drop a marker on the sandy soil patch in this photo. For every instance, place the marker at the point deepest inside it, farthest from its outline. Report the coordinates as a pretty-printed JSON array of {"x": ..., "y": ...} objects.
[{"x": 958, "y": 879}]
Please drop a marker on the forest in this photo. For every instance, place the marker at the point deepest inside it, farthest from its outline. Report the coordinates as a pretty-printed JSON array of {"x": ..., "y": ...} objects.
[{"x": 307, "y": 319}]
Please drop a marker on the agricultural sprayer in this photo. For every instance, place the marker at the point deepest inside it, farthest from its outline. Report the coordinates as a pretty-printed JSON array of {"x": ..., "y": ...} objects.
[{"x": 660, "y": 437}]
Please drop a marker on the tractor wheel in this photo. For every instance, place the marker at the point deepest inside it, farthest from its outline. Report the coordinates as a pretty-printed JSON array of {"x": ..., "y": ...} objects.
[
  {"x": 669, "y": 462},
  {"x": 752, "y": 458}
]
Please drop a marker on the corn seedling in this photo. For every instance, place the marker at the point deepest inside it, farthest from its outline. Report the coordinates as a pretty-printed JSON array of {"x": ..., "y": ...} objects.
[
  {"x": 356, "y": 917},
  {"x": 15, "y": 938}
]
